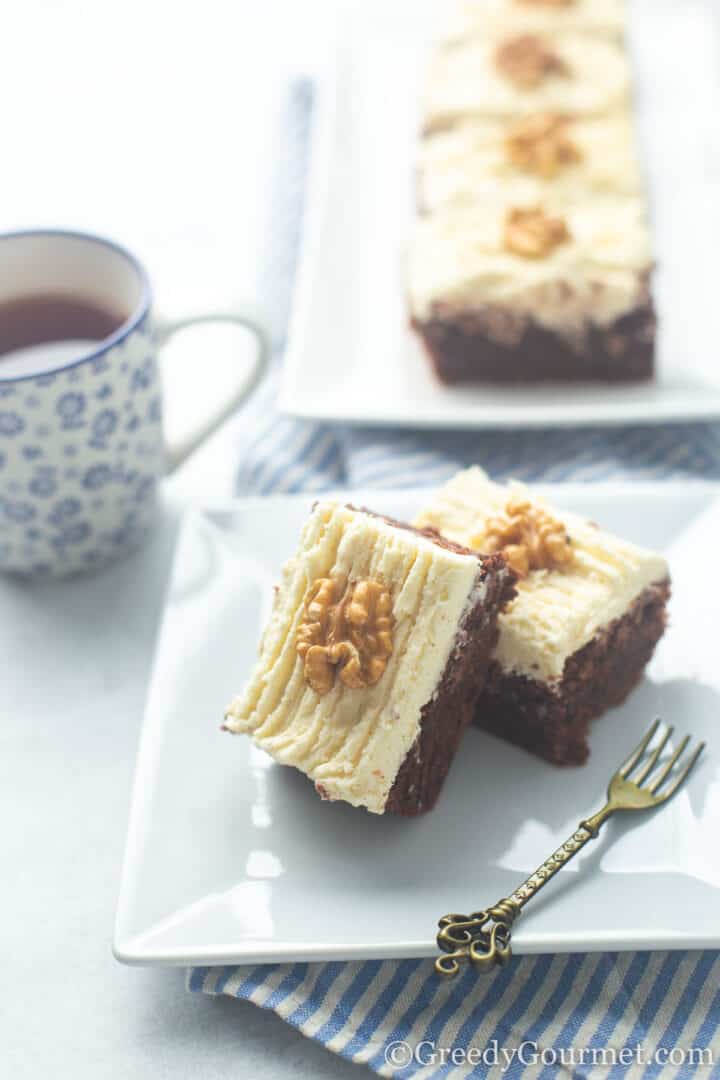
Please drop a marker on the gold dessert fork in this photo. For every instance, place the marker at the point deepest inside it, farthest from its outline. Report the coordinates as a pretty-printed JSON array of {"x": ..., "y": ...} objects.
[{"x": 483, "y": 938}]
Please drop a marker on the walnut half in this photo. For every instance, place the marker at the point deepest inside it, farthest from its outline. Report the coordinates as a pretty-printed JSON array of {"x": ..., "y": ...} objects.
[
  {"x": 532, "y": 233},
  {"x": 540, "y": 144},
  {"x": 528, "y": 536},
  {"x": 346, "y": 630},
  {"x": 527, "y": 61}
]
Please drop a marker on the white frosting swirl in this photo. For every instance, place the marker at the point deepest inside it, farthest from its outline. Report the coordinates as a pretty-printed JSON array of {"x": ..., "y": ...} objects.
[
  {"x": 464, "y": 81},
  {"x": 470, "y": 162},
  {"x": 559, "y": 611},
  {"x": 458, "y": 264},
  {"x": 465, "y": 18}
]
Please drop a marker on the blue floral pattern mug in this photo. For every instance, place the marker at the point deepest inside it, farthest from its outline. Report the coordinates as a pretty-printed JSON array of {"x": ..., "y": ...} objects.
[{"x": 81, "y": 445}]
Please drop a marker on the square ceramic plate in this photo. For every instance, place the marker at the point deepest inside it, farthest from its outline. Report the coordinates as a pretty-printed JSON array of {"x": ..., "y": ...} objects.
[
  {"x": 231, "y": 858},
  {"x": 352, "y": 356}
]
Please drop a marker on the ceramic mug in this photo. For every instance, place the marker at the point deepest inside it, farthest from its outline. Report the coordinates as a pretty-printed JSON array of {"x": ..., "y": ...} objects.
[{"x": 81, "y": 444}]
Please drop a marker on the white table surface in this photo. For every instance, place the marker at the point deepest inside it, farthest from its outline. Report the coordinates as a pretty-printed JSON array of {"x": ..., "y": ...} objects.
[
  {"x": 152, "y": 122},
  {"x": 75, "y": 661}
]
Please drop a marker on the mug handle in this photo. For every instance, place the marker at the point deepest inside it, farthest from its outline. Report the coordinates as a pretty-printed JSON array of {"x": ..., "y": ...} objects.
[{"x": 178, "y": 454}]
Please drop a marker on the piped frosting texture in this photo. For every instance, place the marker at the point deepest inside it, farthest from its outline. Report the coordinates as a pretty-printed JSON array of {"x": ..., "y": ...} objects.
[
  {"x": 465, "y": 81},
  {"x": 352, "y": 742},
  {"x": 467, "y": 18},
  {"x": 472, "y": 162},
  {"x": 557, "y": 611},
  {"x": 459, "y": 264}
]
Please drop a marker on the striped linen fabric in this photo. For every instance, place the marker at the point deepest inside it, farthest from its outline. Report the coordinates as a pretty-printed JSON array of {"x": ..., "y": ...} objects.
[
  {"x": 578, "y": 1015},
  {"x": 284, "y": 455},
  {"x": 396, "y": 1016}
]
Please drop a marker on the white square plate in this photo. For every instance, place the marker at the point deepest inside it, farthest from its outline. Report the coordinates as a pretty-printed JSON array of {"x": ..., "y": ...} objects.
[
  {"x": 352, "y": 356},
  {"x": 231, "y": 858}
]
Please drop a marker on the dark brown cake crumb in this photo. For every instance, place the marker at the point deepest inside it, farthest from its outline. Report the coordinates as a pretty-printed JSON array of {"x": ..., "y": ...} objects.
[
  {"x": 462, "y": 351},
  {"x": 553, "y": 721},
  {"x": 445, "y": 718}
]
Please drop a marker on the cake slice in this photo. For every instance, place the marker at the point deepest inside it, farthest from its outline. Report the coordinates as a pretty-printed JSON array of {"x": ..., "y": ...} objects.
[
  {"x": 467, "y": 18},
  {"x": 374, "y": 658},
  {"x": 589, "y": 611},
  {"x": 518, "y": 73},
  {"x": 543, "y": 156},
  {"x": 509, "y": 292}
]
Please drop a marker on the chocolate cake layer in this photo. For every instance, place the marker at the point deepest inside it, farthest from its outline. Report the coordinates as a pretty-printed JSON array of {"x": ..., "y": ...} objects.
[
  {"x": 462, "y": 351},
  {"x": 444, "y": 719},
  {"x": 553, "y": 720}
]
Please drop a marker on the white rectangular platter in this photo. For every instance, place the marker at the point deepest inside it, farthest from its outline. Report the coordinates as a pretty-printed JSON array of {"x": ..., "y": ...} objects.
[
  {"x": 351, "y": 354},
  {"x": 231, "y": 858}
]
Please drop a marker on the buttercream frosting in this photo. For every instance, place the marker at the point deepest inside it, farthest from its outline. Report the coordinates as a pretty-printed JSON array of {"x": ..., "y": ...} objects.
[
  {"x": 459, "y": 264},
  {"x": 352, "y": 742},
  {"x": 464, "y": 81},
  {"x": 466, "y": 18},
  {"x": 556, "y": 612},
  {"x": 470, "y": 162}
]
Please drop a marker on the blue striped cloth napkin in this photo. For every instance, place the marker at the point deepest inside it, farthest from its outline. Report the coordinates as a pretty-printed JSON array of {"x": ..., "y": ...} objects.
[{"x": 595, "y": 1015}]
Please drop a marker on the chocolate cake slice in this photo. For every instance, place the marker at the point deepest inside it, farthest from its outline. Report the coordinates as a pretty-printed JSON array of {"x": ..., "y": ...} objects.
[
  {"x": 589, "y": 611},
  {"x": 530, "y": 257},
  {"x": 374, "y": 658},
  {"x": 505, "y": 292}
]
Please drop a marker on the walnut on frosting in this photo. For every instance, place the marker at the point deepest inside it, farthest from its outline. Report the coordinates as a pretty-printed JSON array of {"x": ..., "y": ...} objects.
[
  {"x": 528, "y": 536},
  {"x": 346, "y": 631},
  {"x": 540, "y": 144},
  {"x": 532, "y": 233},
  {"x": 527, "y": 61}
]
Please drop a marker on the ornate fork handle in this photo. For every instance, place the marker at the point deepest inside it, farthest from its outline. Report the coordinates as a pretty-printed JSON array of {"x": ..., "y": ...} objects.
[{"x": 483, "y": 938}]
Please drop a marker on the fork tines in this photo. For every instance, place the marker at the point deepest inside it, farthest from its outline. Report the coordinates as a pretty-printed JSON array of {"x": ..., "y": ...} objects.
[{"x": 668, "y": 770}]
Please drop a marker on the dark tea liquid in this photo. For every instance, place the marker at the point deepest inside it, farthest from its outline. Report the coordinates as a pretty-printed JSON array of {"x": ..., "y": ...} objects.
[{"x": 42, "y": 333}]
